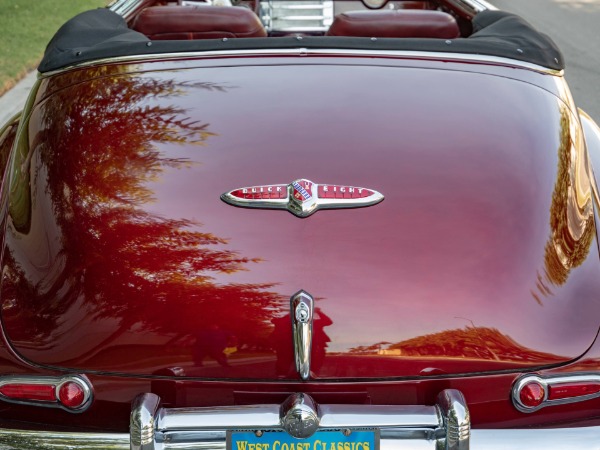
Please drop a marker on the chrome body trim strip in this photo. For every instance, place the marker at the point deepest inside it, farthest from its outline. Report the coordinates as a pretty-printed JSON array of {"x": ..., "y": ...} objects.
[
  {"x": 547, "y": 383},
  {"x": 301, "y": 311},
  {"x": 13, "y": 439},
  {"x": 585, "y": 438},
  {"x": 400, "y": 54}
]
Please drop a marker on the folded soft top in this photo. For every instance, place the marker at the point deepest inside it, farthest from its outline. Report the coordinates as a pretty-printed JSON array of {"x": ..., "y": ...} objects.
[{"x": 102, "y": 33}]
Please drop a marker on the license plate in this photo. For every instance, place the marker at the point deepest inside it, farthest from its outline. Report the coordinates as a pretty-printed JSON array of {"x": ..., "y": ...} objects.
[{"x": 321, "y": 440}]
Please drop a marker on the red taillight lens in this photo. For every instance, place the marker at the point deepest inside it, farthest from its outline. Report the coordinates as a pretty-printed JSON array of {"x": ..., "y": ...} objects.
[
  {"x": 35, "y": 392},
  {"x": 532, "y": 394},
  {"x": 71, "y": 395},
  {"x": 570, "y": 390},
  {"x": 72, "y": 392}
]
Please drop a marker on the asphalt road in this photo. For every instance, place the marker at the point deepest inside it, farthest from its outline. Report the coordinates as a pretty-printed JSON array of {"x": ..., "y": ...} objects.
[{"x": 575, "y": 27}]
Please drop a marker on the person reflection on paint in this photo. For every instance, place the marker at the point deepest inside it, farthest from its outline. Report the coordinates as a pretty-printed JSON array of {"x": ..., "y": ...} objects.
[
  {"x": 212, "y": 343},
  {"x": 320, "y": 339},
  {"x": 283, "y": 343}
]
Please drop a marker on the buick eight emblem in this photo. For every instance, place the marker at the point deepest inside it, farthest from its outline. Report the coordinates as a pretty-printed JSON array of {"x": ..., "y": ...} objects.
[{"x": 302, "y": 197}]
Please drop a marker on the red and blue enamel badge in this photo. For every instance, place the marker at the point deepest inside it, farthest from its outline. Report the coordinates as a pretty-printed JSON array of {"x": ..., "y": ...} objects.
[{"x": 302, "y": 197}]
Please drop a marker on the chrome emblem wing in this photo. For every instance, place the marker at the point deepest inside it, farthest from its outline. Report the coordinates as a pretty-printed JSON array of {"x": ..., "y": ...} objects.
[{"x": 302, "y": 197}]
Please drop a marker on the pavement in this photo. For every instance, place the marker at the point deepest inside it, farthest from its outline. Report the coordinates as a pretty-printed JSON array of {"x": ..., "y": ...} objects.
[
  {"x": 13, "y": 101},
  {"x": 573, "y": 25}
]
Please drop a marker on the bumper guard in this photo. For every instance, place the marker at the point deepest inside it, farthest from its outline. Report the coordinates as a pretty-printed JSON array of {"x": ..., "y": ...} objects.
[{"x": 445, "y": 426}]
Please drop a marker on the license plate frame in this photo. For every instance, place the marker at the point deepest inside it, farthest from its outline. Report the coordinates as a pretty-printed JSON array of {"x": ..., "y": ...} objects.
[{"x": 357, "y": 439}]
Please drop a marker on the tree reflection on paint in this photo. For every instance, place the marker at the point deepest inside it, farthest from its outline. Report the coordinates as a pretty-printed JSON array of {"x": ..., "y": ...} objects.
[
  {"x": 478, "y": 343},
  {"x": 114, "y": 263},
  {"x": 571, "y": 212}
]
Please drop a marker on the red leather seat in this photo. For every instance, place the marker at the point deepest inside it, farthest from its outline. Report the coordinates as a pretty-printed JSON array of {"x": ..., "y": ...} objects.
[
  {"x": 404, "y": 23},
  {"x": 415, "y": 5},
  {"x": 198, "y": 22}
]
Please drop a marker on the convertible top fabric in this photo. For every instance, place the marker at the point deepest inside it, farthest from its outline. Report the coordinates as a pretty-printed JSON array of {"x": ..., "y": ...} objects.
[{"x": 101, "y": 33}]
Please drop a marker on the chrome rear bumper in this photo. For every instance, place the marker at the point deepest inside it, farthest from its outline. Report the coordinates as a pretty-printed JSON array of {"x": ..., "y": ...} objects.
[{"x": 444, "y": 426}]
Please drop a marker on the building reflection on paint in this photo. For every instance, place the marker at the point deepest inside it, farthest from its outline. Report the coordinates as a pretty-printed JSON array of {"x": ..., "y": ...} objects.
[{"x": 475, "y": 343}]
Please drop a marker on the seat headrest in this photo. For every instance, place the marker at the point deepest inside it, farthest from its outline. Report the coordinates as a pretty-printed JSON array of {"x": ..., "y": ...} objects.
[
  {"x": 198, "y": 22},
  {"x": 405, "y": 23},
  {"x": 414, "y": 5}
]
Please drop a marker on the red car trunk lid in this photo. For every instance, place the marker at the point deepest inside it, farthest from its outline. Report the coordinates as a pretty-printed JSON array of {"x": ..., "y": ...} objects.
[{"x": 122, "y": 258}]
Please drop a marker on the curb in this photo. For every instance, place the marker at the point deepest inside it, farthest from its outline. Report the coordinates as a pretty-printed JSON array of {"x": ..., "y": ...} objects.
[{"x": 13, "y": 101}]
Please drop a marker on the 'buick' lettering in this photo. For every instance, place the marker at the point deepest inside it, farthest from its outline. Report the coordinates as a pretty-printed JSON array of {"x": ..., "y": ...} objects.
[{"x": 302, "y": 198}]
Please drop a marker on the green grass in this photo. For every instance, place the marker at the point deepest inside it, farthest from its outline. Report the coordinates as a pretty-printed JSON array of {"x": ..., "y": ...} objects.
[{"x": 26, "y": 26}]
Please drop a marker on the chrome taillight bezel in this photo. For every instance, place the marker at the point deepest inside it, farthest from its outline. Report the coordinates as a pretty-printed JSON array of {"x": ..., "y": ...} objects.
[
  {"x": 57, "y": 383},
  {"x": 547, "y": 383}
]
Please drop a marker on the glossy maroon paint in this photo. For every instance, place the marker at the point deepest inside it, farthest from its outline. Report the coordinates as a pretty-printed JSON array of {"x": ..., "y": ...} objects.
[
  {"x": 8, "y": 134},
  {"x": 120, "y": 257}
]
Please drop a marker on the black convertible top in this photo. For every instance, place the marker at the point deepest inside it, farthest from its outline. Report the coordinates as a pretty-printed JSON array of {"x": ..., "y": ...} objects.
[{"x": 101, "y": 33}]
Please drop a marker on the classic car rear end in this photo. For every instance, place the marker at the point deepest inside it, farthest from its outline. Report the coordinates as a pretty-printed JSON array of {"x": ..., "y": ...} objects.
[{"x": 299, "y": 242}]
